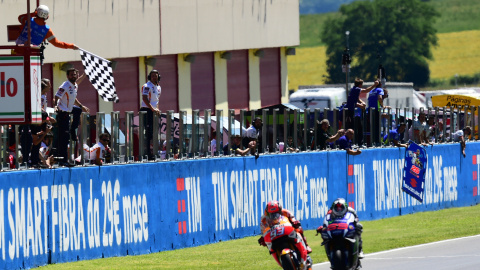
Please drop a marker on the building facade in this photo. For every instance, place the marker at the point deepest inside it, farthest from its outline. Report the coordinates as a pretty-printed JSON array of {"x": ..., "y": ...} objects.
[{"x": 211, "y": 54}]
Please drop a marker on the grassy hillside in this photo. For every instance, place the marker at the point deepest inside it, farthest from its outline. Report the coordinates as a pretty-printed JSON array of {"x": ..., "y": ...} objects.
[
  {"x": 457, "y": 53},
  {"x": 456, "y": 15}
]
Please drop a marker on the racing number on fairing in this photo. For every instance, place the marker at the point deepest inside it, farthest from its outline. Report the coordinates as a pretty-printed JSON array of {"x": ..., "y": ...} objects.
[{"x": 277, "y": 231}]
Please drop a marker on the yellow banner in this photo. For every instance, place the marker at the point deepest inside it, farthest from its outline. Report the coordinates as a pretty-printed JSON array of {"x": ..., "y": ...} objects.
[{"x": 455, "y": 100}]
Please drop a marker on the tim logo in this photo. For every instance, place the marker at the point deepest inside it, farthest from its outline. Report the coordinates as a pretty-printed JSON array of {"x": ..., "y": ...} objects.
[{"x": 413, "y": 182}]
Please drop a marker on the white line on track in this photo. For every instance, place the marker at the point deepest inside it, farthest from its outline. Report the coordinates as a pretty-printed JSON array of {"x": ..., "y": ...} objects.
[{"x": 402, "y": 248}]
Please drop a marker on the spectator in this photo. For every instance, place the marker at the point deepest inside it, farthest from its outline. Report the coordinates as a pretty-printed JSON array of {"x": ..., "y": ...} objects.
[
  {"x": 431, "y": 130},
  {"x": 98, "y": 152},
  {"x": 46, "y": 87},
  {"x": 65, "y": 98},
  {"x": 395, "y": 135},
  {"x": 151, "y": 92},
  {"x": 420, "y": 129},
  {"x": 46, "y": 158},
  {"x": 40, "y": 31},
  {"x": 76, "y": 113},
  {"x": 253, "y": 132},
  {"x": 290, "y": 146},
  {"x": 354, "y": 101},
  {"x": 375, "y": 101},
  {"x": 39, "y": 131},
  {"x": 324, "y": 137},
  {"x": 236, "y": 147},
  {"x": 213, "y": 143},
  {"x": 345, "y": 142},
  {"x": 459, "y": 136}
]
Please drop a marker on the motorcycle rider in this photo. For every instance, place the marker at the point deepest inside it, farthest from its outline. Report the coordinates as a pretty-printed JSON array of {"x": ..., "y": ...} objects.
[
  {"x": 274, "y": 207},
  {"x": 338, "y": 210}
]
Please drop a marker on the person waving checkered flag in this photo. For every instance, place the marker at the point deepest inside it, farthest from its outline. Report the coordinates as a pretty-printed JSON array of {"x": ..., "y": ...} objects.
[{"x": 99, "y": 72}]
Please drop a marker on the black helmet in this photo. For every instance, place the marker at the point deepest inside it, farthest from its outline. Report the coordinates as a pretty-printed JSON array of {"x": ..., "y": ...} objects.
[{"x": 339, "y": 207}]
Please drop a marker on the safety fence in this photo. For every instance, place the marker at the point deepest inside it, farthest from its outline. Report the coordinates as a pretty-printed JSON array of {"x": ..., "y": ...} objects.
[
  {"x": 70, "y": 214},
  {"x": 184, "y": 136}
]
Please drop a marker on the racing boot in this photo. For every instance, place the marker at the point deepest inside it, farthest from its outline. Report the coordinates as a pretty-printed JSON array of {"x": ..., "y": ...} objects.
[
  {"x": 307, "y": 247},
  {"x": 309, "y": 263},
  {"x": 360, "y": 253}
]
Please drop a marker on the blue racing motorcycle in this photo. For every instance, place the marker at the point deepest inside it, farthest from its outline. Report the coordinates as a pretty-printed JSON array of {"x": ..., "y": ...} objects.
[{"x": 342, "y": 244}]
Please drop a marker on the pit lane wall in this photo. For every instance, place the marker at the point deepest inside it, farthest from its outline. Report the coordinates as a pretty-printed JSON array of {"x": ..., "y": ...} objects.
[{"x": 60, "y": 215}]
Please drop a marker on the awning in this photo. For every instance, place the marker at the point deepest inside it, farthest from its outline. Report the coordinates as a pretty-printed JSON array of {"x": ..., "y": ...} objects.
[{"x": 456, "y": 100}]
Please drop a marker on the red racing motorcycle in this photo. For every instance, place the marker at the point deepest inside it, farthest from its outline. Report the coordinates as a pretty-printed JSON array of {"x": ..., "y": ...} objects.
[{"x": 281, "y": 239}]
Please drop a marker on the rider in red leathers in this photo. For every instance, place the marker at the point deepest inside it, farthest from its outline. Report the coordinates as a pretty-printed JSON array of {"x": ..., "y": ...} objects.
[{"x": 275, "y": 207}]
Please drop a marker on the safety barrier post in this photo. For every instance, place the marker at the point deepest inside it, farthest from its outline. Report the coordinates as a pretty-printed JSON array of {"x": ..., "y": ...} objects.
[
  {"x": 168, "y": 135},
  {"x": 182, "y": 136},
  {"x": 115, "y": 137},
  {"x": 242, "y": 125},
  {"x": 275, "y": 127},
  {"x": 306, "y": 117},
  {"x": 286, "y": 121},
  {"x": 155, "y": 136},
  {"x": 141, "y": 135},
  {"x": 129, "y": 136},
  {"x": 264, "y": 141},
  {"x": 315, "y": 129},
  {"x": 195, "y": 131},
  {"x": 219, "y": 139},
  {"x": 206, "y": 145},
  {"x": 295, "y": 129}
]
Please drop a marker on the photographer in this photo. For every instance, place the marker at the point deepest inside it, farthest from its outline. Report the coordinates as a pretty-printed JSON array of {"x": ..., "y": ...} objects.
[{"x": 38, "y": 134}]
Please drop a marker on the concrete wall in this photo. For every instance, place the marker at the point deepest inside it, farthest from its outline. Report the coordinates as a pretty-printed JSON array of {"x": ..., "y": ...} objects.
[
  {"x": 136, "y": 28},
  {"x": 215, "y": 25}
]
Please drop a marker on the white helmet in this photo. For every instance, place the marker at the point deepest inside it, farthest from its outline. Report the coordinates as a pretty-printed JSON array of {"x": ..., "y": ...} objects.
[{"x": 43, "y": 12}]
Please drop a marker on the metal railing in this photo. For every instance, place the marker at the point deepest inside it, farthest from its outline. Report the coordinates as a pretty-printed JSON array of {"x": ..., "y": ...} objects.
[{"x": 181, "y": 136}]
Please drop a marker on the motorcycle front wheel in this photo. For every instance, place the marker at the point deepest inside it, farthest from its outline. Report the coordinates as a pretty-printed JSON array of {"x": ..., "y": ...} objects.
[
  {"x": 337, "y": 261},
  {"x": 287, "y": 262}
]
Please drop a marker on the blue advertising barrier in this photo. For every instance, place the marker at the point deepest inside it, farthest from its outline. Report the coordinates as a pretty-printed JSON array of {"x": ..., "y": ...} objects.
[{"x": 60, "y": 215}]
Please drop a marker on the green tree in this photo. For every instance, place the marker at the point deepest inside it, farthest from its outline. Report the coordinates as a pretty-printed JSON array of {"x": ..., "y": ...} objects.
[{"x": 398, "y": 34}]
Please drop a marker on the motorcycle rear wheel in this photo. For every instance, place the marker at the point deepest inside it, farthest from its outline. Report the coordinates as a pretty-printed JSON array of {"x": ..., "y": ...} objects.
[{"x": 287, "y": 262}]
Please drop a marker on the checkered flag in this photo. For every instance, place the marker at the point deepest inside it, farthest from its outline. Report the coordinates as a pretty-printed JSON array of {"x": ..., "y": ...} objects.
[{"x": 99, "y": 71}]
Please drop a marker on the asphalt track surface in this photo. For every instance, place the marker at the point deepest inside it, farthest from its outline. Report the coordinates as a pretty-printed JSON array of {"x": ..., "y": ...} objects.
[{"x": 460, "y": 253}]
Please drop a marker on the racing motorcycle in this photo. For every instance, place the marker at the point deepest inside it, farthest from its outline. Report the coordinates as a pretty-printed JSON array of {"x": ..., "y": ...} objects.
[
  {"x": 342, "y": 244},
  {"x": 280, "y": 238}
]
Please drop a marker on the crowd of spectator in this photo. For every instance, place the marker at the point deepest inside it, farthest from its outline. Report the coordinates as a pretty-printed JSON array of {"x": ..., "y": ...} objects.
[{"x": 366, "y": 125}]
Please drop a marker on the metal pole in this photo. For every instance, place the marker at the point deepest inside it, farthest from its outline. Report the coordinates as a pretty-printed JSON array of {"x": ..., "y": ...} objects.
[
  {"x": 444, "y": 124},
  {"x": 436, "y": 124},
  {"x": 219, "y": 139},
  {"x": 114, "y": 138},
  {"x": 155, "y": 135},
  {"x": 315, "y": 129},
  {"x": 84, "y": 135},
  {"x": 129, "y": 136},
  {"x": 295, "y": 128},
  {"x": 242, "y": 125},
  {"x": 195, "y": 135},
  {"x": 275, "y": 127},
  {"x": 231, "y": 127},
  {"x": 141, "y": 135},
  {"x": 181, "y": 135},
  {"x": 306, "y": 116},
  {"x": 264, "y": 131},
  {"x": 286, "y": 115}
]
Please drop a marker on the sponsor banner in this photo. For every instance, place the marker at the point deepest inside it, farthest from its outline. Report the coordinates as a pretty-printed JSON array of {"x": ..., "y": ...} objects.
[
  {"x": 12, "y": 101},
  {"x": 53, "y": 216},
  {"x": 414, "y": 171}
]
